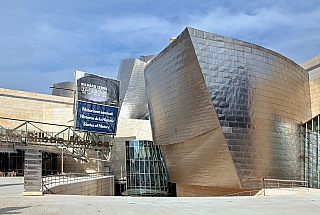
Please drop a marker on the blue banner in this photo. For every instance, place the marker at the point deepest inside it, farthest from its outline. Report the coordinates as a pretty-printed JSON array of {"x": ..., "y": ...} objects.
[
  {"x": 96, "y": 118},
  {"x": 97, "y": 103}
]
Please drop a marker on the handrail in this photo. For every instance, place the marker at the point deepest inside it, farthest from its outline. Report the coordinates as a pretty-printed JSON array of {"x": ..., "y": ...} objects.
[
  {"x": 271, "y": 179},
  {"x": 242, "y": 192},
  {"x": 51, "y": 181},
  {"x": 285, "y": 183},
  {"x": 47, "y": 190},
  {"x": 273, "y": 183}
]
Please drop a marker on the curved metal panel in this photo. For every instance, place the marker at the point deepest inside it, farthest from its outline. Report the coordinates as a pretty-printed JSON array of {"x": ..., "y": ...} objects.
[
  {"x": 133, "y": 92},
  {"x": 203, "y": 160},
  {"x": 65, "y": 89},
  {"x": 179, "y": 103},
  {"x": 259, "y": 97}
]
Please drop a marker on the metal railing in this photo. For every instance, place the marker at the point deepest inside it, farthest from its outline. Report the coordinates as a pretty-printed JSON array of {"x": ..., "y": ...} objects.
[
  {"x": 51, "y": 181},
  {"x": 18, "y": 138},
  {"x": 243, "y": 193},
  {"x": 272, "y": 184},
  {"x": 279, "y": 183}
]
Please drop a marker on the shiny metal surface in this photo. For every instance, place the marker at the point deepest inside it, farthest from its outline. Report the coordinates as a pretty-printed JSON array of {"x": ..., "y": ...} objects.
[
  {"x": 133, "y": 91},
  {"x": 247, "y": 100},
  {"x": 203, "y": 160},
  {"x": 65, "y": 89},
  {"x": 133, "y": 99}
]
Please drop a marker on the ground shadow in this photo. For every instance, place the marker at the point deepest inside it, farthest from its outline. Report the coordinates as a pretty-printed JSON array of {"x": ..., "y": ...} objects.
[
  {"x": 6, "y": 185},
  {"x": 10, "y": 210}
]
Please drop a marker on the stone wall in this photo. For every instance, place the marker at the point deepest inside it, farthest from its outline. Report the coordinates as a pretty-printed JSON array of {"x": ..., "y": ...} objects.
[
  {"x": 313, "y": 67},
  {"x": 96, "y": 187},
  {"x": 37, "y": 107},
  {"x": 20, "y": 106},
  {"x": 141, "y": 129}
]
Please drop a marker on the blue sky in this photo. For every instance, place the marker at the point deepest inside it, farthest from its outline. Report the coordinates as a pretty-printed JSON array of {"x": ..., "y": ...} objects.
[{"x": 43, "y": 42}]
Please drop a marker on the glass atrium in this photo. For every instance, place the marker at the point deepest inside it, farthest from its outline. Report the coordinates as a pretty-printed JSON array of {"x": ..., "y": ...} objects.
[{"x": 146, "y": 172}]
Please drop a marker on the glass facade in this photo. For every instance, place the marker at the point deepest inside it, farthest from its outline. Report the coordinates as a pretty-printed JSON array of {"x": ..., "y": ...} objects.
[
  {"x": 146, "y": 172},
  {"x": 15, "y": 162},
  {"x": 310, "y": 152},
  {"x": 12, "y": 162}
]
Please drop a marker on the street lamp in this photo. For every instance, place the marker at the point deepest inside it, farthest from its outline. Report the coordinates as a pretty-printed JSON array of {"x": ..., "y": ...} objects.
[
  {"x": 62, "y": 147},
  {"x": 97, "y": 160}
]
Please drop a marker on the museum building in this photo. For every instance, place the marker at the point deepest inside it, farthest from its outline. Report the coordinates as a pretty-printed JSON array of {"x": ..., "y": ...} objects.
[
  {"x": 227, "y": 113},
  {"x": 209, "y": 115}
]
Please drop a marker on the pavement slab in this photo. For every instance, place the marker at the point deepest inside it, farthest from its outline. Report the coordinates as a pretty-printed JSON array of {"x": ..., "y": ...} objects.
[{"x": 13, "y": 202}]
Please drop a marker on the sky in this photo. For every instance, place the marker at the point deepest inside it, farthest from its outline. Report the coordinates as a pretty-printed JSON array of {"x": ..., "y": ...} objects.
[{"x": 43, "y": 42}]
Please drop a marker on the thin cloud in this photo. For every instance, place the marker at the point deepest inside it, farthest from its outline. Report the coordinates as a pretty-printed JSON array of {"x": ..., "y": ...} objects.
[
  {"x": 48, "y": 41},
  {"x": 262, "y": 20},
  {"x": 135, "y": 22},
  {"x": 138, "y": 30},
  {"x": 268, "y": 27}
]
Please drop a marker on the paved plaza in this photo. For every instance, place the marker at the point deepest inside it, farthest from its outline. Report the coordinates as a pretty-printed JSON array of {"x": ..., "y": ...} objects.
[{"x": 12, "y": 202}]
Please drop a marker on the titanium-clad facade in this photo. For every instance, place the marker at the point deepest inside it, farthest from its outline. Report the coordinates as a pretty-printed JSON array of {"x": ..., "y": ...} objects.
[
  {"x": 132, "y": 91},
  {"x": 145, "y": 172},
  {"x": 226, "y": 113},
  {"x": 65, "y": 89},
  {"x": 133, "y": 115},
  {"x": 133, "y": 98}
]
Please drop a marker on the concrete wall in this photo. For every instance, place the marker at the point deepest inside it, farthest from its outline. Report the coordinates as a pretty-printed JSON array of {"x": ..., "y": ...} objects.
[
  {"x": 117, "y": 162},
  {"x": 96, "y": 187}
]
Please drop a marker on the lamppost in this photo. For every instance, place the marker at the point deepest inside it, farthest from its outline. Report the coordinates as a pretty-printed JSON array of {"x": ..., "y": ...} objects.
[
  {"x": 98, "y": 160},
  {"x": 62, "y": 147}
]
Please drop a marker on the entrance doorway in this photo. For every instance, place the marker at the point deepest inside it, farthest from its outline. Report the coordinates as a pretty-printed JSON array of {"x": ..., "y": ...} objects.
[
  {"x": 15, "y": 162},
  {"x": 49, "y": 163},
  {"x": 12, "y": 162}
]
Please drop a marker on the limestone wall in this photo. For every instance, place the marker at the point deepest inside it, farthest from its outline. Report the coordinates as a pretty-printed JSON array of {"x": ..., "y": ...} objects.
[
  {"x": 37, "y": 107},
  {"x": 96, "y": 187},
  {"x": 141, "y": 129}
]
